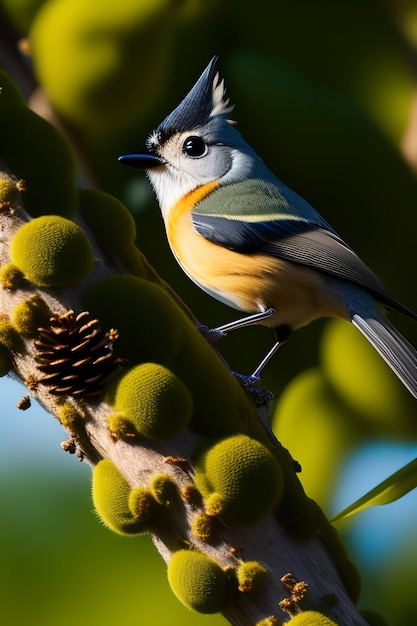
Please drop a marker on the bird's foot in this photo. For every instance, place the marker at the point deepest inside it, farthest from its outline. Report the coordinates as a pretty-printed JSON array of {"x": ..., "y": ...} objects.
[
  {"x": 261, "y": 397},
  {"x": 250, "y": 384},
  {"x": 213, "y": 335}
]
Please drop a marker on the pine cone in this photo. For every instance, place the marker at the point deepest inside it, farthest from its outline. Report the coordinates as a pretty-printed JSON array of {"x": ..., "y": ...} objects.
[{"x": 74, "y": 355}]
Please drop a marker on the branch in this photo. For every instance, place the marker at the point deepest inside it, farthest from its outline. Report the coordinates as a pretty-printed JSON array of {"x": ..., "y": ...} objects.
[{"x": 175, "y": 444}]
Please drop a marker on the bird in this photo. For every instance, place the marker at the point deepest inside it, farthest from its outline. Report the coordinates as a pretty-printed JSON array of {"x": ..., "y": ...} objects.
[{"x": 250, "y": 241}]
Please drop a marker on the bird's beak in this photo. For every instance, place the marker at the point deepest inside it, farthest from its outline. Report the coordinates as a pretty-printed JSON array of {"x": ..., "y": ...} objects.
[{"x": 143, "y": 160}]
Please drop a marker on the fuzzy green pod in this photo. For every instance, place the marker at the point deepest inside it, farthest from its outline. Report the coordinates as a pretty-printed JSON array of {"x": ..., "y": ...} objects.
[
  {"x": 70, "y": 417},
  {"x": 121, "y": 428},
  {"x": 29, "y": 315},
  {"x": 191, "y": 495},
  {"x": 311, "y": 618},
  {"x": 198, "y": 581},
  {"x": 52, "y": 251},
  {"x": 164, "y": 489},
  {"x": 153, "y": 401},
  {"x": 111, "y": 493},
  {"x": 9, "y": 337},
  {"x": 215, "y": 504},
  {"x": 10, "y": 188},
  {"x": 143, "y": 507},
  {"x": 136, "y": 263},
  {"x": 50, "y": 178},
  {"x": 251, "y": 575},
  {"x": 10, "y": 276},
  {"x": 143, "y": 313},
  {"x": 202, "y": 527},
  {"x": 244, "y": 474},
  {"x": 109, "y": 219}
]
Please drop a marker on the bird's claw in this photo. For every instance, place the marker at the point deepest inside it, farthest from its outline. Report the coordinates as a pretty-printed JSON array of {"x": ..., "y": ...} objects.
[
  {"x": 261, "y": 397},
  {"x": 213, "y": 335}
]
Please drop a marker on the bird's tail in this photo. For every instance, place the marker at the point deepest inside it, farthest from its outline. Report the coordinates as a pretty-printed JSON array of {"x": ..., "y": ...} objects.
[{"x": 391, "y": 345}]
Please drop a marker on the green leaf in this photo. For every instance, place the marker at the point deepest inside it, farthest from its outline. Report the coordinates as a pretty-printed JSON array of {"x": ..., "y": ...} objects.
[{"x": 391, "y": 489}]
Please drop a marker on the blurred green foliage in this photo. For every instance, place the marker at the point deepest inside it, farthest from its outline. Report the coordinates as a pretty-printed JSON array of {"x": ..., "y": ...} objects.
[{"x": 324, "y": 92}]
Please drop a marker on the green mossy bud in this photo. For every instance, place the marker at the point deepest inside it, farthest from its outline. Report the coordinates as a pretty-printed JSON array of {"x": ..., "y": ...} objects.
[
  {"x": 215, "y": 504},
  {"x": 191, "y": 495},
  {"x": 143, "y": 507},
  {"x": 311, "y": 618},
  {"x": 10, "y": 188},
  {"x": 111, "y": 493},
  {"x": 29, "y": 315},
  {"x": 50, "y": 177},
  {"x": 153, "y": 400},
  {"x": 9, "y": 337},
  {"x": 202, "y": 527},
  {"x": 10, "y": 276},
  {"x": 143, "y": 313},
  {"x": 246, "y": 478},
  {"x": 70, "y": 417},
  {"x": 251, "y": 576},
  {"x": 198, "y": 581},
  {"x": 136, "y": 263},
  {"x": 52, "y": 251},
  {"x": 164, "y": 489},
  {"x": 6, "y": 360},
  {"x": 121, "y": 428},
  {"x": 109, "y": 219}
]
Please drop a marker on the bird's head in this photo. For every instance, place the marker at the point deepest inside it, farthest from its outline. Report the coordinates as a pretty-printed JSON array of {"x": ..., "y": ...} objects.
[{"x": 195, "y": 144}]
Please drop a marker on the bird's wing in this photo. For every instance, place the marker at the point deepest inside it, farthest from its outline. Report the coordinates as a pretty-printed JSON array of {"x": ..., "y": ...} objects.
[{"x": 297, "y": 241}]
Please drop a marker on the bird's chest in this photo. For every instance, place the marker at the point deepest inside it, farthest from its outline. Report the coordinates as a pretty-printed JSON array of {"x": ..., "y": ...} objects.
[
  {"x": 210, "y": 266},
  {"x": 249, "y": 282}
]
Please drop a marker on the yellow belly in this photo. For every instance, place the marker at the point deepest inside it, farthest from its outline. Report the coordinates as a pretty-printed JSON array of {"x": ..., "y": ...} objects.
[{"x": 249, "y": 282}]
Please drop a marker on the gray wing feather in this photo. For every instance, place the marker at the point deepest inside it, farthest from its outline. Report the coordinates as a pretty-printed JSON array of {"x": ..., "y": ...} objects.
[
  {"x": 326, "y": 252},
  {"x": 394, "y": 349}
]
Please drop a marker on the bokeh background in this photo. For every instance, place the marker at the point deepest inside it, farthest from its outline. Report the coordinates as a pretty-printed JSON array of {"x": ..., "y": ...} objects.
[{"x": 326, "y": 92}]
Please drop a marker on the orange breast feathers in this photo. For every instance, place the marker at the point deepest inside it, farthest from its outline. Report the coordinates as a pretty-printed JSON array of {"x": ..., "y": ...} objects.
[{"x": 248, "y": 282}]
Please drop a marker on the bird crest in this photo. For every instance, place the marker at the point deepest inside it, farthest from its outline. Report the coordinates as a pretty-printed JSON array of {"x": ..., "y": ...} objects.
[{"x": 207, "y": 99}]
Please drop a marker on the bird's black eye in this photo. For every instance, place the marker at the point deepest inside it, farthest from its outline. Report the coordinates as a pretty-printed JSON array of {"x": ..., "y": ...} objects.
[{"x": 194, "y": 147}]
